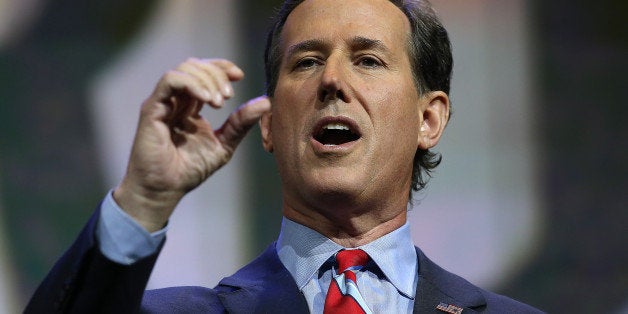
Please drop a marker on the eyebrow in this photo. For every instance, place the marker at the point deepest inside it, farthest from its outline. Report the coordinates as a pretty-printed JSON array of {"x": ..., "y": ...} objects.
[
  {"x": 356, "y": 43},
  {"x": 363, "y": 43},
  {"x": 307, "y": 45}
]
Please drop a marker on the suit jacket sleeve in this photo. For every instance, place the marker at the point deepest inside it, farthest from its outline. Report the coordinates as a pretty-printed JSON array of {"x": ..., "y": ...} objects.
[{"x": 85, "y": 281}]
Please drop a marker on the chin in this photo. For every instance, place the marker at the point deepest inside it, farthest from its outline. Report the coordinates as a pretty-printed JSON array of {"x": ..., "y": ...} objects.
[{"x": 339, "y": 189}]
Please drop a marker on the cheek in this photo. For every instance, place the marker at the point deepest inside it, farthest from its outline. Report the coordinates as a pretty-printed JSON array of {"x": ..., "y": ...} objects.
[
  {"x": 397, "y": 105},
  {"x": 292, "y": 109},
  {"x": 288, "y": 123},
  {"x": 399, "y": 118}
]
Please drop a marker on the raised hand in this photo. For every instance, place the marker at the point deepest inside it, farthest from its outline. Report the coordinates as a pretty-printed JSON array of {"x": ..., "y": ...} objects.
[{"x": 175, "y": 149}]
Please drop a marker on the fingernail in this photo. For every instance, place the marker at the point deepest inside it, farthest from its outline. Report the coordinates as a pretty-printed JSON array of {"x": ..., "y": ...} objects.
[
  {"x": 207, "y": 95},
  {"x": 218, "y": 99},
  {"x": 227, "y": 90}
]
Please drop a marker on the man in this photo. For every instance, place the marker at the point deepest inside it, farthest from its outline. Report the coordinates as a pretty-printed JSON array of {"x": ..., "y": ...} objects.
[{"x": 357, "y": 95}]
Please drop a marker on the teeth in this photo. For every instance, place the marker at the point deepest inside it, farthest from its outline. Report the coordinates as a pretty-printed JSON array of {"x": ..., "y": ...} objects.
[{"x": 336, "y": 126}]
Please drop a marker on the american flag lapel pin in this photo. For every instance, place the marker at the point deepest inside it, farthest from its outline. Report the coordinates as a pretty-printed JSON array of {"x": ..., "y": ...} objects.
[{"x": 449, "y": 308}]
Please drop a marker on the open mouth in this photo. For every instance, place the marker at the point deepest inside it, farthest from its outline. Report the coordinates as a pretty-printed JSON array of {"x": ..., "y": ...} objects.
[{"x": 336, "y": 133}]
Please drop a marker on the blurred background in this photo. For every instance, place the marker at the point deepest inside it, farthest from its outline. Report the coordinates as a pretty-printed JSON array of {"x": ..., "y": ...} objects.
[{"x": 530, "y": 200}]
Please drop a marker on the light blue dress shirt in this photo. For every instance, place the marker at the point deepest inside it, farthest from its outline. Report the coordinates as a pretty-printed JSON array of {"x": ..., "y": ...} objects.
[
  {"x": 388, "y": 284},
  {"x": 120, "y": 238}
]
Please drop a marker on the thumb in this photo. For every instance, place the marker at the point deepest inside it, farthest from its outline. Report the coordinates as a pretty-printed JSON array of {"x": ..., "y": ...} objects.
[{"x": 240, "y": 122}]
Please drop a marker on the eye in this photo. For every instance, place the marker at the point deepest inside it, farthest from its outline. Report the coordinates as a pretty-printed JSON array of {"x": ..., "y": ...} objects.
[
  {"x": 306, "y": 63},
  {"x": 369, "y": 62}
]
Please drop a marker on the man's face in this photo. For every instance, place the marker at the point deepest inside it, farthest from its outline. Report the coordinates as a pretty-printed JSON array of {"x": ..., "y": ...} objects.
[{"x": 346, "y": 114}]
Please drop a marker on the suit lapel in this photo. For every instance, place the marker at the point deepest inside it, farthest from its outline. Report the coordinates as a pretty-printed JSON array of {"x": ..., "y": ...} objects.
[
  {"x": 443, "y": 292},
  {"x": 263, "y": 286}
]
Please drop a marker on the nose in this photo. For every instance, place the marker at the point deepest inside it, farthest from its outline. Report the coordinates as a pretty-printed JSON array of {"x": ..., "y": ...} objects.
[{"x": 333, "y": 84}]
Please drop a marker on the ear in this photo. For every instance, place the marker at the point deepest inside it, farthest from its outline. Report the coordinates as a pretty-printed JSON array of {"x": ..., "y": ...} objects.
[
  {"x": 264, "y": 125},
  {"x": 434, "y": 111}
]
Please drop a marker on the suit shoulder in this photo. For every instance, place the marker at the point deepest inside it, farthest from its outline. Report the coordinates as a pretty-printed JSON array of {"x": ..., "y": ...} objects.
[
  {"x": 185, "y": 299},
  {"x": 439, "y": 285},
  {"x": 497, "y": 303}
]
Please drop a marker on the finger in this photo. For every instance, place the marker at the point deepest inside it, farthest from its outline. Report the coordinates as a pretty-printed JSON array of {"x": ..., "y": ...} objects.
[
  {"x": 212, "y": 79},
  {"x": 184, "y": 108},
  {"x": 220, "y": 77},
  {"x": 223, "y": 72},
  {"x": 215, "y": 74},
  {"x": 241, "y": 121},
  {"x": 175, "y": 82},
  {"x": 234, "y": 73}
]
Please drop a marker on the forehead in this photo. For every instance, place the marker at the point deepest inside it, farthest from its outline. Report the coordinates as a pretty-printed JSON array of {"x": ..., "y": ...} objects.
[{"x": 332, "y": 19}]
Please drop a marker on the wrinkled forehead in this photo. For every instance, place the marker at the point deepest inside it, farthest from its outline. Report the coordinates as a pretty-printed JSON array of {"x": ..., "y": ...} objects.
[{"x": 377, "y": 19}]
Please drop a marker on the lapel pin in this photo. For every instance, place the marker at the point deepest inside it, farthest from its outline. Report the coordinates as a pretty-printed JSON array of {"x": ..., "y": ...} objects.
[{"x": 449, "y": 308}]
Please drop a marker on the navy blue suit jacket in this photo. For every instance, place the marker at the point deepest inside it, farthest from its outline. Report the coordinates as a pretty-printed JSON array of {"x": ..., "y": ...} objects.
[{"x": 85, "y": 281}]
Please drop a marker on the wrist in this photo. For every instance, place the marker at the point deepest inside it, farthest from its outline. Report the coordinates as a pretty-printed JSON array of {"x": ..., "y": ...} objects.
[{"x": 149, "y": 208}]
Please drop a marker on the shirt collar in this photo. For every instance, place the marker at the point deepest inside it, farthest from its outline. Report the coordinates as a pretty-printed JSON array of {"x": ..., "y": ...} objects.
[
  {"x": 395, "y": 255},
  {"x": 303, "y": 251}
]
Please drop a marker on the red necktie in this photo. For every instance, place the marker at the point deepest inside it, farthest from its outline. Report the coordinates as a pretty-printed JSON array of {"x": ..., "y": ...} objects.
[{"x": 343, "y": 295}]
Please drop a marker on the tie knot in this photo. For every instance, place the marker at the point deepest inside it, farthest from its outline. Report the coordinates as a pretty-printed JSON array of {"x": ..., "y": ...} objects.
[{"x": 351, "y": 260}]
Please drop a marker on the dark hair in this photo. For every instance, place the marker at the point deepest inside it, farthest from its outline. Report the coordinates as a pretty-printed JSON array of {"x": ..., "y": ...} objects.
[{"x": 429, "y": 50}]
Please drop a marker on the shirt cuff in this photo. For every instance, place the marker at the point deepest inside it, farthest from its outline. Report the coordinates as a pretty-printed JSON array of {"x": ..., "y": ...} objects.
[{"x": 120, "y": 238}]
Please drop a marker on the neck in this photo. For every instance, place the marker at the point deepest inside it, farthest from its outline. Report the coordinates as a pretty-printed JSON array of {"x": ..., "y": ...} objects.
[{"x": 349, "y": 226}]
